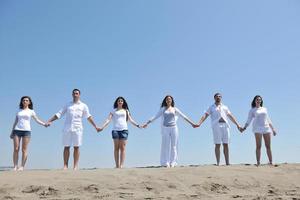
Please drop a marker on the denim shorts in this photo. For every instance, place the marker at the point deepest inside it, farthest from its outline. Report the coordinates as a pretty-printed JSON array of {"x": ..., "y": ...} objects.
[
  {"x": 22, "y": 133},
  {"x": 121, "y": 135}
]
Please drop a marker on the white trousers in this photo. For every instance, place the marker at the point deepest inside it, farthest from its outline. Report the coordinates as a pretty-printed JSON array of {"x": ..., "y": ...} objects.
[{"x": 169, "y": 145}]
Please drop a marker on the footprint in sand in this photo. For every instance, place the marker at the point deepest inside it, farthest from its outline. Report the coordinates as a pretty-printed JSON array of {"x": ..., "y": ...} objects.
[
  {"x": 91, "y": 188},
  {"x": 216, "y": 187},
  {"x": 32, "y": 189}
]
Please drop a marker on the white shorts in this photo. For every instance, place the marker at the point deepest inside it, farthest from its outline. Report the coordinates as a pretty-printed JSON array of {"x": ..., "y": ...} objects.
[
  {"x": 221, "y": 133},
  {"x": 72, "y": 139}
]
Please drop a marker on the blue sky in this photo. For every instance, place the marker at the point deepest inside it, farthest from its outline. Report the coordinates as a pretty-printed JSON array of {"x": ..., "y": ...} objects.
[{"x": 143, "y": 50}]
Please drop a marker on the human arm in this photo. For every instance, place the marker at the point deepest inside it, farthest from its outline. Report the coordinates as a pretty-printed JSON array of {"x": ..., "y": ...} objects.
[
  {"x": 35, "y": 117},
  {"x": 178, "y": 112},
  {"x": 232, "y": 118},
  {"x": 203, "y": 118},
  {"x": 271, "y": 125},
  {"x": 106, "y": 122},
  {"x": 14, "y": 125},
  {"x": 158, "y": 114},
  {"x": 132, "y": 120},
  {"x": 90, "y": 119},
  {"x": 250, "y": 117}
]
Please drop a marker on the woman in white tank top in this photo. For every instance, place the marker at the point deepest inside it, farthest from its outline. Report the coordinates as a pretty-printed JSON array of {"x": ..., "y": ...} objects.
[
  {"x": 261, "y": 127},
  {"x": 119, "y": 115}
]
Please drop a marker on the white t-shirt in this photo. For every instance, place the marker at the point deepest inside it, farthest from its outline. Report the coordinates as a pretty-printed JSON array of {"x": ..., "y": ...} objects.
[
  {"x": 260, "y": 119},
  {"x": 218, "y": 112},
  {"x": 119, "y": 119},
  {"x": 24, "y": 117}
]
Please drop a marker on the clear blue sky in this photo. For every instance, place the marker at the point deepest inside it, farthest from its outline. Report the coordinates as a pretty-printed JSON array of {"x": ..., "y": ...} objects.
[{"x": 143, "y": 50}]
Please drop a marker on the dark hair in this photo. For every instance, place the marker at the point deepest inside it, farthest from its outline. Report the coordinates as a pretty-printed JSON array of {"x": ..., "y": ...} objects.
[
  {"x": 164, "y": 103},
  {"x": 30, "y": 106},
  {"x": 217, "y": 94},
  {"x": 76, "y": 90},
  {"x": 253, "y": 104},
  {"x": 124, "y": 106}
]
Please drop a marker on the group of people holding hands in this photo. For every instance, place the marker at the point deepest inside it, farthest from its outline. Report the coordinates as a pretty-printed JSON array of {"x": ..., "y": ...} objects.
[{"x": 76, "y": 110}]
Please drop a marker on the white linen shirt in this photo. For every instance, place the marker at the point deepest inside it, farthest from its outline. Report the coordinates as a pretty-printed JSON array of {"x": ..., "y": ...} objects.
[
  {"x": 261, "y": 121},
  {"x": 74, "y": 114},
  {"x": 218, "y": 112},
  {"x": 24, "y": 117}
]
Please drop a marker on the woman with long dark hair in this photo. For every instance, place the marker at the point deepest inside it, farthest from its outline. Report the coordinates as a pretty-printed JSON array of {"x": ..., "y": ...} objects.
[
  {"x": 120, "y": 115},
  {"x": 261, "y": 126},
  {"x": 169, "y": 114},
  {"x": 21, "y": 131}
]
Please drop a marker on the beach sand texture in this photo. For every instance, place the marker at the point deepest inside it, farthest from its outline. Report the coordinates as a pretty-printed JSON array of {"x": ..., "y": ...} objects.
[{"x": 189, "y": 182}]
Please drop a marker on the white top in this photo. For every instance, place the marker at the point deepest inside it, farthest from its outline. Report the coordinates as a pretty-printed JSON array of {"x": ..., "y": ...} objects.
[
  {"x": 119, "y": 119},
  {"x": 261, "y": 121},
  {"x": 24, "y": 117},
  {"x": 169, "y": 118},
  {"x": 218, "y": 112},
  {"x": 74, "y": 114}
]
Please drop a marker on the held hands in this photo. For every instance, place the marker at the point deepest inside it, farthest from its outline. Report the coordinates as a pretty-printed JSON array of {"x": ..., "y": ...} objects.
[
  {"x": 195, "y": 125},
  {"x": 47, "y": 124},
  {"x": 98, "y": 129}
]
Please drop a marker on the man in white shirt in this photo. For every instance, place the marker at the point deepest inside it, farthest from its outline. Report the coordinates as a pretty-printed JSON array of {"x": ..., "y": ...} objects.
[
  {"x": 219, "y": 114},
  {"x": 73, "y": 129}
]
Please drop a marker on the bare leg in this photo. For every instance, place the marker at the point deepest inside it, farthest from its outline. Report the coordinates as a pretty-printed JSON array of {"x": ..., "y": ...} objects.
[
  {"x": 267, "y": 139},
  {"x": 122, "y": 146},
  {"x": 258, "y": 138},
  {"x": 25, "y": 142},
  {"x": 66, "y": 157},
  {"x": 76, "y": 155},
  {"x": 16, "y": 151},
  {"x": 226, "y": 153},
  {"x": 217, "y": 153},
  {"x": 116, "y": 152}
]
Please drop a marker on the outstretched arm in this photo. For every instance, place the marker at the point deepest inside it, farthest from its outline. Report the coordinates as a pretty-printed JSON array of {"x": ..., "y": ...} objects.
[
  {"x": 203, "y": 118},
  {"x": 159, "y": 113},
  {"x": 90, "y": 119},
  {"x": 185, "y": 118},
  {"x": 232, "y": 118},
  {"x": 107, "y": 121},
  {"x": 132, "y": 121},
  {"x": 35, "y": 117},
  {"x": 49, "y": 122}
]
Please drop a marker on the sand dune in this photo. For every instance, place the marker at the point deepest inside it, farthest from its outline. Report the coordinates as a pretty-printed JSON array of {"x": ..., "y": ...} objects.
[{"x": 190, "y": 182}]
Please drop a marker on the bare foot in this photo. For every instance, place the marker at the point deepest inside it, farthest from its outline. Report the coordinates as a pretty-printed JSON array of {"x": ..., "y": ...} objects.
[
  {"x": 15, "y": 168},
  {"x": 65, "y": 167},
  {"x": 21, "y": 169}
]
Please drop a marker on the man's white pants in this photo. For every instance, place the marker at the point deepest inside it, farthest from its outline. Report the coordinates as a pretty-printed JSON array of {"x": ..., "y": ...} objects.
[
  {"x": 169, "y": 144},
  {"x": 221, "y": 133}
]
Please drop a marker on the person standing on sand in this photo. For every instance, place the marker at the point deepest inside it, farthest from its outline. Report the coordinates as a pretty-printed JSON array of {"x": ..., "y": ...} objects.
[
  {"x": 169, "y": 131},
  {"x": 73, "y": 129},
  {"x": 21, "y": 131},
  {"x": 219, "y": 114},
  {"x": 119, "y": 115},
  {"x": 261, "y": 127}
]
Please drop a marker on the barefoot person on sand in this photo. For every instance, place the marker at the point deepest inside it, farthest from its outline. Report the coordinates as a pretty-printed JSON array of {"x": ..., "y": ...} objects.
[
  {"x": 72, "y": 132},
  {"x": 169, "y": 131},
  {"x": 119, "y": 115},
  {"x": 219, "y": 114},
  {"x": 21, "y": 131},
  {"x": 261, "y": 127}
]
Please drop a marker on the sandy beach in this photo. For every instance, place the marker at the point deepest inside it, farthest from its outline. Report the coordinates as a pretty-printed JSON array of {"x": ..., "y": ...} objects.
[{"x": 190, "y": 182}]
